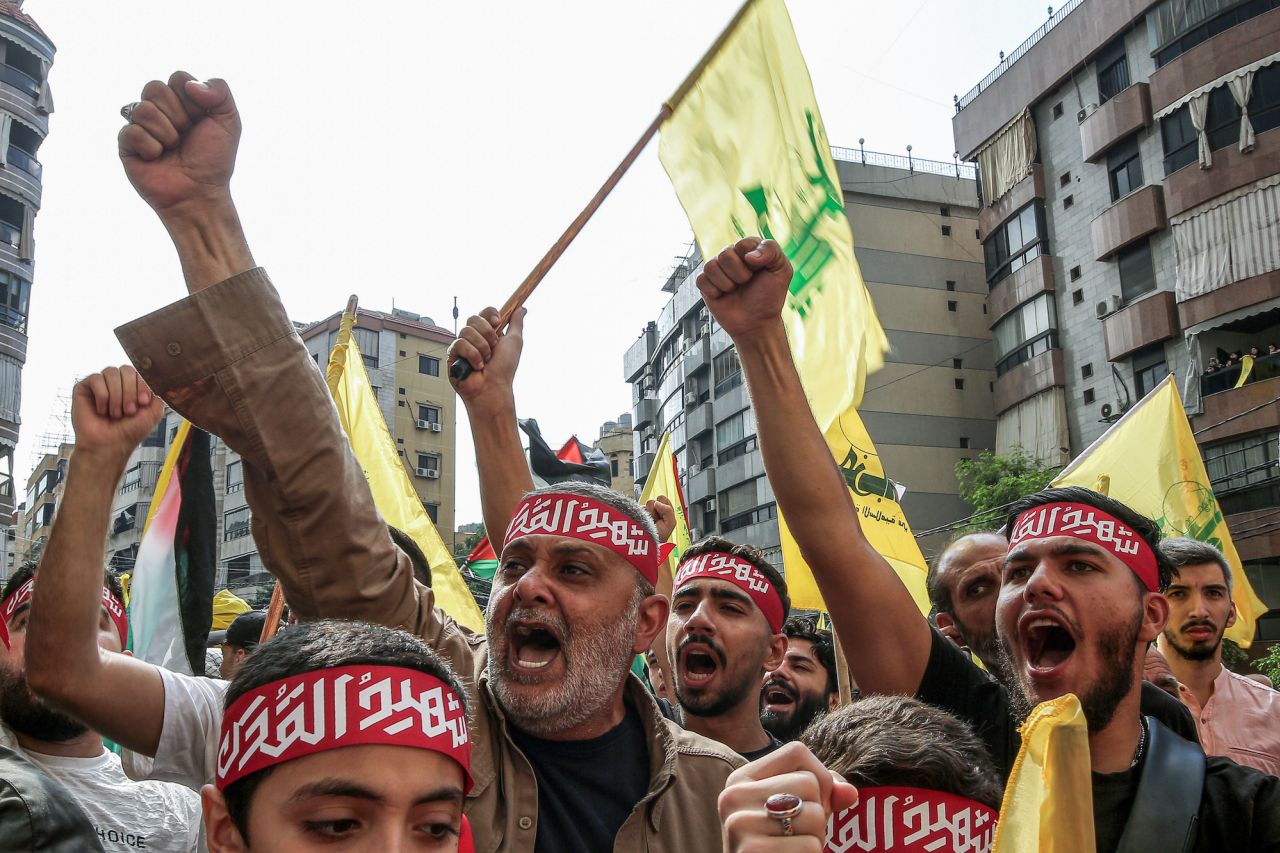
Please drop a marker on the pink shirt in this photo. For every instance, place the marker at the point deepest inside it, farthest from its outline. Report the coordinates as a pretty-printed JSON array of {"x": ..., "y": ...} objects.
[{"x": 1241, "y": 721}]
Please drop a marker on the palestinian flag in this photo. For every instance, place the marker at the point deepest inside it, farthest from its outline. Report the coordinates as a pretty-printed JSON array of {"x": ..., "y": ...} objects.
[
  {"x": 574, "y": 461},
  {"x": 482, "y": 562},
  {"x": 171, "y": 591}
]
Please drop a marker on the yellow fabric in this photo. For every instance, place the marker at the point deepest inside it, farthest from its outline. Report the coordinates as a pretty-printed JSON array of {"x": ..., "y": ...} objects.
[
  {"x": 1149, "y": 460},
  {"x": 747, "y": 153},
  {"x": 662, "y": 481},
  {"x": 1246, "y": 367},
  {"x": 166, "y": 471},
  {"x": 1048, "y": 803},
  {"x": 883, "y": 521},
  {"x": 392, "y": 489},
  {"x": 226, "y": 607}
]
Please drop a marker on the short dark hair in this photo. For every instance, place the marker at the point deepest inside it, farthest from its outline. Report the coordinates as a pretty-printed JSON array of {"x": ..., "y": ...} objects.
[
  {"x": 746, "y": 552},
  {"x": 325, "y": 644},
  {"x": 806, "y": 628},
  {"x": 1147, "y": 529},
  {"x": 421, "y": 567},
  {"x": 900, "y": 741},
  {"x": 29, "y": 568},
  {"x": 939, "y": 595},
  {"x": 1182, "y": 551}
]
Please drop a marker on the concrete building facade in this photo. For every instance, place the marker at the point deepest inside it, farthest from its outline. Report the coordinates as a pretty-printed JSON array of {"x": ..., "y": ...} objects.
[
  {"x": 25, "y": 104},
  {"x": 615, "y": 443},
  {"x": 1129, "y": 160},
  {"x": 914, "y": 223}
]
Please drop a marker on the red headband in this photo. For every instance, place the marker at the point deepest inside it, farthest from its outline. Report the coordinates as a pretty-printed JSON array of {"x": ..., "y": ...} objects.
[
  {"x": 912, "y": 820},
  {"x": 565, "y": 514},
  {"x": 737, "y": 571},
  {"x": 337, "y": 707},
  {"x": 1092, "y": 525},
  {"x": 23, "y": 595}
]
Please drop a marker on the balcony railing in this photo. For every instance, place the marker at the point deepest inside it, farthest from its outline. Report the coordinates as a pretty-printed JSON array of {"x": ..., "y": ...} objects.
[
  {"x": 1228, "y": 377},
  {"x": 908, "y": 163},
  {"x": 20, "y": 80},
  {"x": 10, "y": 233},
  {"x": 23, "y": 160},
  {"x": 1021, "y": 50},
  {"x": 13, "y": 318}
]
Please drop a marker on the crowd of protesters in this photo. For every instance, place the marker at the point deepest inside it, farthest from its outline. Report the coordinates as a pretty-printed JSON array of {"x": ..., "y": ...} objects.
[{"x": 377, "y": 722}]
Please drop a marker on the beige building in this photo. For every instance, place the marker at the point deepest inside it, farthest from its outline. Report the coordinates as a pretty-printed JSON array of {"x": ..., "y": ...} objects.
[
  {"x": 404, "y": 354},
  {"x": 44, "y": 491},
  {"x": 615, "y": 443}
]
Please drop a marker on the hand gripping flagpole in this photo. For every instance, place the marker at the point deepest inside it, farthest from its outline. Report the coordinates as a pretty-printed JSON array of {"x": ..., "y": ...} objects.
[
  {"x": 275, "y": 610},
  {"x": 462, "y": 368}
]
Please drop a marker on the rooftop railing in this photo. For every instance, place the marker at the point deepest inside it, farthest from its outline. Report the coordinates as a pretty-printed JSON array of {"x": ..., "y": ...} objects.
[
  {"x": 907, "y": 163},
  {"x": 1021, "y": 50}
]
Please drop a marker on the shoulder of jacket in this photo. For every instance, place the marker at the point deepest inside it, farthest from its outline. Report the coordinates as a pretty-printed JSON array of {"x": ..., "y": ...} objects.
[{"x": 701, "y": 749}]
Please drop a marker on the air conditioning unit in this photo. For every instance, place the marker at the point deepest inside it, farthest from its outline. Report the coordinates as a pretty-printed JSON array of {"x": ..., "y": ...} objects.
[
  {"x": 424, "y": 424},
  {"x": 1106, "y": 308},
  {"x": 436, "y": 427},
  {"x": 1102, "y": 309},
  {"x": 1117, "y": 302},
  {"x": 711, "y": 505},
  {"x": 1086, "y": 112},
  {"x": 690, "y": 399},
  {"x": 429, "y": 473}
]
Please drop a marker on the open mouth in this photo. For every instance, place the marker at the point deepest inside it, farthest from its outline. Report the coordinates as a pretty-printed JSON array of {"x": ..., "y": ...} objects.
[
  {"x": 698, "y": 664},
  {"x": 533, "y": 647},
  {"x": 777, "y": 697},
  {"x": 1046, "y": 644}
]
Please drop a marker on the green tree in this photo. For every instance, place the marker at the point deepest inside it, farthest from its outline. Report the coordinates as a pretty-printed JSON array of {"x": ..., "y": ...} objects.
[
  {"x": 1234, "y": 658},
  {"x": 991, "y": 482},
  {"x": 1269, "y": 664}
]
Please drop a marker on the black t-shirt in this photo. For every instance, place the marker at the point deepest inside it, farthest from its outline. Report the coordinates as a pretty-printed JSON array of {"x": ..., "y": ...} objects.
[
  {"x": 1240, "y": 807},
  {"x": 773, "y": 744},
  {"x": 587, "y": 788}
]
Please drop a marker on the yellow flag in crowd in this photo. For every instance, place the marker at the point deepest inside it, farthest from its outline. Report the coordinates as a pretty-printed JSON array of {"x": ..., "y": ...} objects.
[
  {"x": 1048, "y": 803},
  {"x": 392, "y": 489},
  {"x": 1149, "y": 460},
  {"x": 747, "y": 153},
  {"x": 664, "y": 479},
  {"x": 883, "y": 521}
]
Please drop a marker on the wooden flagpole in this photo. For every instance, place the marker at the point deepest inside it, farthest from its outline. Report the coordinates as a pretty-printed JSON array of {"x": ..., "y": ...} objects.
[
  {"x": 461, "y": 369},
  {"x": 842, "y": 670}
]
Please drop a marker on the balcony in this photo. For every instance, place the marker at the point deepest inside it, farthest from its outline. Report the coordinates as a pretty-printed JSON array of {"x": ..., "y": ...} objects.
[
  {"x": 642, "y": 464},
  {"x": 730, "y": 402},
  {"x": 1235, "y": 412},
  {"x": 1040, "y": 373},
  {"x": 1126, "y": 113},
  {"x": 700, "y": 419},
  {"x": 1211, "y": 58},
  {"x": 1147, "y": 321},
  {"x": 639, "y": 354},
  {"x": 1024, "y": 284},
  {"x": 1023, "y": 193},
  {"x": 23, "y": 82},
  {"x": 646, "y": 411},
  {"x": 698, "y": 356},
  {"x": 1192, "y": 186},
  {"x": 1128, "y": 220},
  {"x": 702, "y": 485}
]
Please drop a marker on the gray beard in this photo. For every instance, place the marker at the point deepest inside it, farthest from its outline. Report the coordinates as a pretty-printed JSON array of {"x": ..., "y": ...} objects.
[{"x": 597, "y": 658}]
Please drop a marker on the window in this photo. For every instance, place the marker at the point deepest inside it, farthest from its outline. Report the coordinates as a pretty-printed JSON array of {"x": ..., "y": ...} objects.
[
  {"x": 746, "y": 519},
  {"x": 1077, "y": 296},
  {"x": 727, "y": 371},
  {"x": 613, "y": 466},
  {"x": 959, "y": 384},
  {"x": 739, "y": 498},
  {"x": 1149, "y": 367},
  {"x": 1222, "y": 122},
  {"x": 1075, "y": 273},
  {"x": 1264, "y": 103},
  {"x": 430, "y": 414},
  {"x": 1026, "y": 333},
  {"x": 1088, "y": 396},
  {"x": 1124, "y": 168},
  {"x": 1136, "y": 273},
  {"x": 367, "y": 341},
  {"x": 1068, "y": 202},
  {"x": 15, "y": 295},
  {"x": 951, "y": 285},
  {"x": 1086, "y": 371},
  {"x": 1015, "y": 243},
  {"x": 1242, "y": 472},
  {"x": 1057, "y": 110},
  {"x": 132, "y": 479},
  {"x": 1113, "y": 71},
  {"x": 1179, "y": 25},
  {"x": 401, "y": 390},
  {"x": 239, "y": 569},
  {"x": 402, "y": 352},
  {"x": 428, "y": 365},
  {"x": 433, "y": 511},
  {"x": 1178, "y": 136},
  {"x": 734, "y": 429},
  {"x": 952, "y": 305},
  {"x": 430, "y": 461},
  {"x": 945, "y": 211},
  {"x": 946, "y": 230},
  {"x": 235, "y": 524},
  {"x": 964, "y": 442},
  {"x": 235, "y": 477},
  {"x": 1064, "y": 179},
  {"x": 957, "y": 364},
  {"x": 742, "y": 448}
]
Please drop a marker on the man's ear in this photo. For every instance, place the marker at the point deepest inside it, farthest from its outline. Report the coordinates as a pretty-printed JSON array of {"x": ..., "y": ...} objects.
[
  {"x": 1231, "y": 617},
  {"x": 653, "y": 618},
  {"x": 221, "y": 832},
  {"x": 777, "y": 653},
  {"x": 947, "y": 627},
  {"x": 833, "y": 701}
]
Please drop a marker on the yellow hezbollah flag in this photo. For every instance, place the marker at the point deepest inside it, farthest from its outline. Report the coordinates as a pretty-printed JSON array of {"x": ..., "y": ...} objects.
[
  {"x": 664, "y": 479},
  {"x": 1149, "y": 461},
  {"x": 747, "y": 153},
  {"x": 883, "y": 521},
  {"x": 393, "y": 492},
  {"x": 1048, "y": 803}
]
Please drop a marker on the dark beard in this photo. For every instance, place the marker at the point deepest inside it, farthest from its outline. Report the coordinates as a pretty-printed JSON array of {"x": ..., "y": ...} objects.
[
  {"x": 788, "y": 728},
  {"x": 1192, "y": 652},
  {"x": 23, "y": 712},
  {"x": 1118, "y": 651},
  {"x": 713, "y": 706}
]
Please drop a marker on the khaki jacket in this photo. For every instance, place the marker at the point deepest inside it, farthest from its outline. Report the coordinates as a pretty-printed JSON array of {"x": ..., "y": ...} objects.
[{"x": 228, "y": 359}]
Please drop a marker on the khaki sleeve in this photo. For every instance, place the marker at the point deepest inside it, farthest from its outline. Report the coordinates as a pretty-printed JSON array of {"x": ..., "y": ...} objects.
[{"x": 228, "y": 359}]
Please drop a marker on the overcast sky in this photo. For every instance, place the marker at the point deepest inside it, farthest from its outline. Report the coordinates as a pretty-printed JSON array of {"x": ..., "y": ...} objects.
[{"x": 418, "y": 151}]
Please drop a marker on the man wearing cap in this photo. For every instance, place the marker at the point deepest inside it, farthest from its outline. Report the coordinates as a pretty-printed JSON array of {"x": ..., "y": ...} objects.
[
  {"x": 725, "y": 630},
  {"x": 570, "y": 752},
  {"x": 242, "y": 638},
  {"x": 1079, "y": 602}
]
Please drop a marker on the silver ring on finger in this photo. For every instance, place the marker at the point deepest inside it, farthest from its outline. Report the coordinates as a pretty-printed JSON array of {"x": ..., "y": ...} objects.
[
  {"x": 787, "y": 829},
  {"x": 126, "y": 112},
  {"x": 782, "y": 808}
]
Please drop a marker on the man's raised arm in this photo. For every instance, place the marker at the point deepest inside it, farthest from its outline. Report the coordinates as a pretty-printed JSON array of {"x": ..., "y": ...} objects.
[
  {"x": 114, "y": 694},
  {"x": 228, "y": 359},
  {"x": 885, "y": 639}
]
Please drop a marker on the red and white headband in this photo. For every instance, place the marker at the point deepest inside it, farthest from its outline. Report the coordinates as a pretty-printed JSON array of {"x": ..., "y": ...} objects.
[
  {"x": 338, "y": 707},
  {"x": 22, "y": 595},
  {"x": 718, "y": 565},
  {"x": 1093, "y": 525},
  {"x": 566, "y": 514},
  {"x": 911, "y": 820}
]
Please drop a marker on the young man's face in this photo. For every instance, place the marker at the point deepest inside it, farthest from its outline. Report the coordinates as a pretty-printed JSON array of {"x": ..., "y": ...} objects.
[
  {"x": 796, "y": 692},
  {"x": 719, "y": 644},
  {"x": 1200, "y": 612},
  {"x": 358, "y": 798},
  {"x": 1071, "y": 619},
  {"x": 564, "y": 623}
]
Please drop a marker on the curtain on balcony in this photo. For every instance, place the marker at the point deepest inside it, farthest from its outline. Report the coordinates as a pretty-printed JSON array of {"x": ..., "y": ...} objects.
[
  {"x": 44, "y": 101},
  {"x": 1225, "y": 80},
  {"x": 1241, "y": 87},
  {"x": 1039, "y": 424},
  {"x": 1231, "y": 238},
  {"x": 1175, "y": 17},
  {"x": 6, "y": 126},
  {"x": 1007, "y": 158},
  {"x": 26, "y": 239},
  {"x": 10, "y": 389}
]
